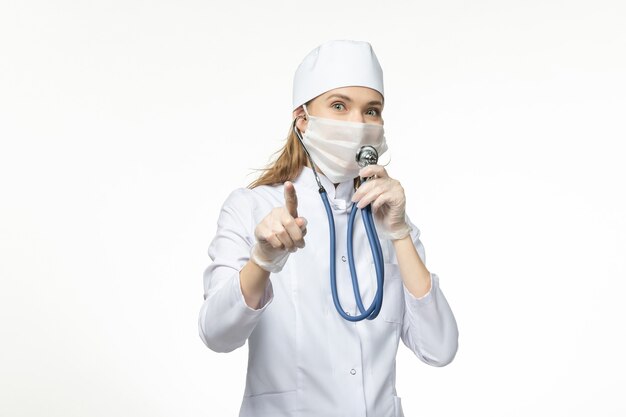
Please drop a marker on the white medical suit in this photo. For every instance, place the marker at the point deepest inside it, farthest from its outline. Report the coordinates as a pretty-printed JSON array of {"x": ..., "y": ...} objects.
[{"x": 304, "y": 359}]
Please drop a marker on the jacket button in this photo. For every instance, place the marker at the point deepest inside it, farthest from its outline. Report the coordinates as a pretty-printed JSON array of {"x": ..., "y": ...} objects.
[
  {"x": 343, "y": 258},
  {"x": 352, "y": 371}
]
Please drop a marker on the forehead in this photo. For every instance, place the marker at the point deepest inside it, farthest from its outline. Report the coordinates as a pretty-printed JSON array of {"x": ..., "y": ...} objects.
[{"x": 353, "y": 93}]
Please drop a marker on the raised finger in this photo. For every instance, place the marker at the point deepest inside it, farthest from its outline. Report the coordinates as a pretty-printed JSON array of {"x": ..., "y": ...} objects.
[{"x": 291, "y": 199}]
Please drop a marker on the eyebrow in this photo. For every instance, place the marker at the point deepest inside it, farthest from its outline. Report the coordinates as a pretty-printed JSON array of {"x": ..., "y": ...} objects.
[{"x": 349, "y": 100}]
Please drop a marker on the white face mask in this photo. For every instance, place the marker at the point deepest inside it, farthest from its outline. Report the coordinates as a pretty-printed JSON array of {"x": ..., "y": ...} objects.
[{"x": 333, "y": 145}]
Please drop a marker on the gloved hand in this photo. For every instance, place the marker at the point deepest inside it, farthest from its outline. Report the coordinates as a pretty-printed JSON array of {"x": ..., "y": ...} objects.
[
  {"x": 280, "y": 233},
  {"x": 388, "y": 202}
]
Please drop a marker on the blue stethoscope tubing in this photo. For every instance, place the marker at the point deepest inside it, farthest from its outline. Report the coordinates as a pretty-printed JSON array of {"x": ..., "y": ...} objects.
[
  {"x": 366, "y": 212},
  {"x": 377, "y": 253}
]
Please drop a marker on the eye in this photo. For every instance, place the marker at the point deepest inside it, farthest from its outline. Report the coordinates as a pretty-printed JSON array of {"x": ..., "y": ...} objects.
[
  {"x": 373, "y": 112},
  {"x": 338, "y": 106}
]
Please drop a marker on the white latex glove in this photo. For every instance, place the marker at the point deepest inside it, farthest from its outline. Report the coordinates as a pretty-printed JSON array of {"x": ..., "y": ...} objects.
[
  {"x": 388, "y": 202},
  {"x": 280, "y": 233}
]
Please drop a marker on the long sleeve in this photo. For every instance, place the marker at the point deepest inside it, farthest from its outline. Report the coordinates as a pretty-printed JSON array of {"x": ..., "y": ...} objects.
[
  {"x": 429, "y": 327},
  {"x": 225, "y": 320}
]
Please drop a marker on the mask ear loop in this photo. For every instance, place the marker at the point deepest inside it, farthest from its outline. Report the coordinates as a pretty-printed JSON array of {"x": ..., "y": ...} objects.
[{"x": 308, "y": 155}]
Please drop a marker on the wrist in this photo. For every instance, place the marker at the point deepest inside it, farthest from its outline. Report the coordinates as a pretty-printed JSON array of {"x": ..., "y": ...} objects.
[
  {"x": 399, "y": 232},
  {"x": 253, "y": 281},
  {"x": 402, "y": 240},
  {"x": 256, "y": 267},
  {"x": 273, "y": 265}
]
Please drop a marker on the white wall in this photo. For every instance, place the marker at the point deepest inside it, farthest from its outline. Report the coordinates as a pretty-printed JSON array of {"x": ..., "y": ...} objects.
[{"x": 125, "y": 124}]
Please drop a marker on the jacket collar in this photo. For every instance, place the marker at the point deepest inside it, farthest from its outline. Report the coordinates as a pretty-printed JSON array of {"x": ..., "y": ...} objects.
[{"x": 339, "y": 198}]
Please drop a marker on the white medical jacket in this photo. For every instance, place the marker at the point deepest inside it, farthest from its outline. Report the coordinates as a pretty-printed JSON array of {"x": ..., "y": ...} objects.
[{"x": 304, "y": 359}]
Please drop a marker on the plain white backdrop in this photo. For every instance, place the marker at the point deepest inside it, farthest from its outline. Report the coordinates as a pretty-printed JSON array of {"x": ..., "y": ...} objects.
[{"x": 125, "y": 124}]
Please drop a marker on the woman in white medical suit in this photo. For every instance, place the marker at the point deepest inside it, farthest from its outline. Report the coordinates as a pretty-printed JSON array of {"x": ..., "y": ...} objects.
[{"x": 269, "y": 285}]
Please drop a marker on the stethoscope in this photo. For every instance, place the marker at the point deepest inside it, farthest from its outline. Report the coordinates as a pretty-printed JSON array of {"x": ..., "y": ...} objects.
[{"x": 367, "y": 155}]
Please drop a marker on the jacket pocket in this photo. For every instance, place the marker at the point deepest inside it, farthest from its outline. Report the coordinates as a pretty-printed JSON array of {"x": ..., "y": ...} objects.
[
  {"x": 393, "y": 293},
  {"x": 278, "y": 404}
]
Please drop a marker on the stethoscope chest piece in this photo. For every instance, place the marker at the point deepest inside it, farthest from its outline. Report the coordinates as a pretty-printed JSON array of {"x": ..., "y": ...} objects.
[{"x": 367, "y": 155}]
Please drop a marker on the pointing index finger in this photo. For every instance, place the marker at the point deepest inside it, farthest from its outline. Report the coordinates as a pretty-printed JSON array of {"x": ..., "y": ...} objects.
[{"x": 291, "y": 200}]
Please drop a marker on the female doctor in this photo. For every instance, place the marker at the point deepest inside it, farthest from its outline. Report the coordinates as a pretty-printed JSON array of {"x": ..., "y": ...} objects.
[{"x": 269, "y": 281}]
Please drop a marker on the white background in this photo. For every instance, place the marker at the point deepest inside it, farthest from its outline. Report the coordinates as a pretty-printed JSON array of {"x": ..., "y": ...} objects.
[{"x": 124, "y": 125}]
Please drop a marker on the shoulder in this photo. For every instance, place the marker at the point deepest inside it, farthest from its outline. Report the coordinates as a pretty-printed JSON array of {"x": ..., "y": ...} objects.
[
  {"x": 238, "y": 201},
  {"x": 256, "y": 202},
  {"x": 237, "y": 197},
  {"x": 267, "y": 195}
]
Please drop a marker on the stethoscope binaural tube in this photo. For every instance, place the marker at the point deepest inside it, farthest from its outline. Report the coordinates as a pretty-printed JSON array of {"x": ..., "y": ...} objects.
[{"x": 367, "y": 155}]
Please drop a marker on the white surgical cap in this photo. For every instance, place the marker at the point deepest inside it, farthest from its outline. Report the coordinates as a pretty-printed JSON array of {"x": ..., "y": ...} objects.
[{"x": 335, "y": 64}]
